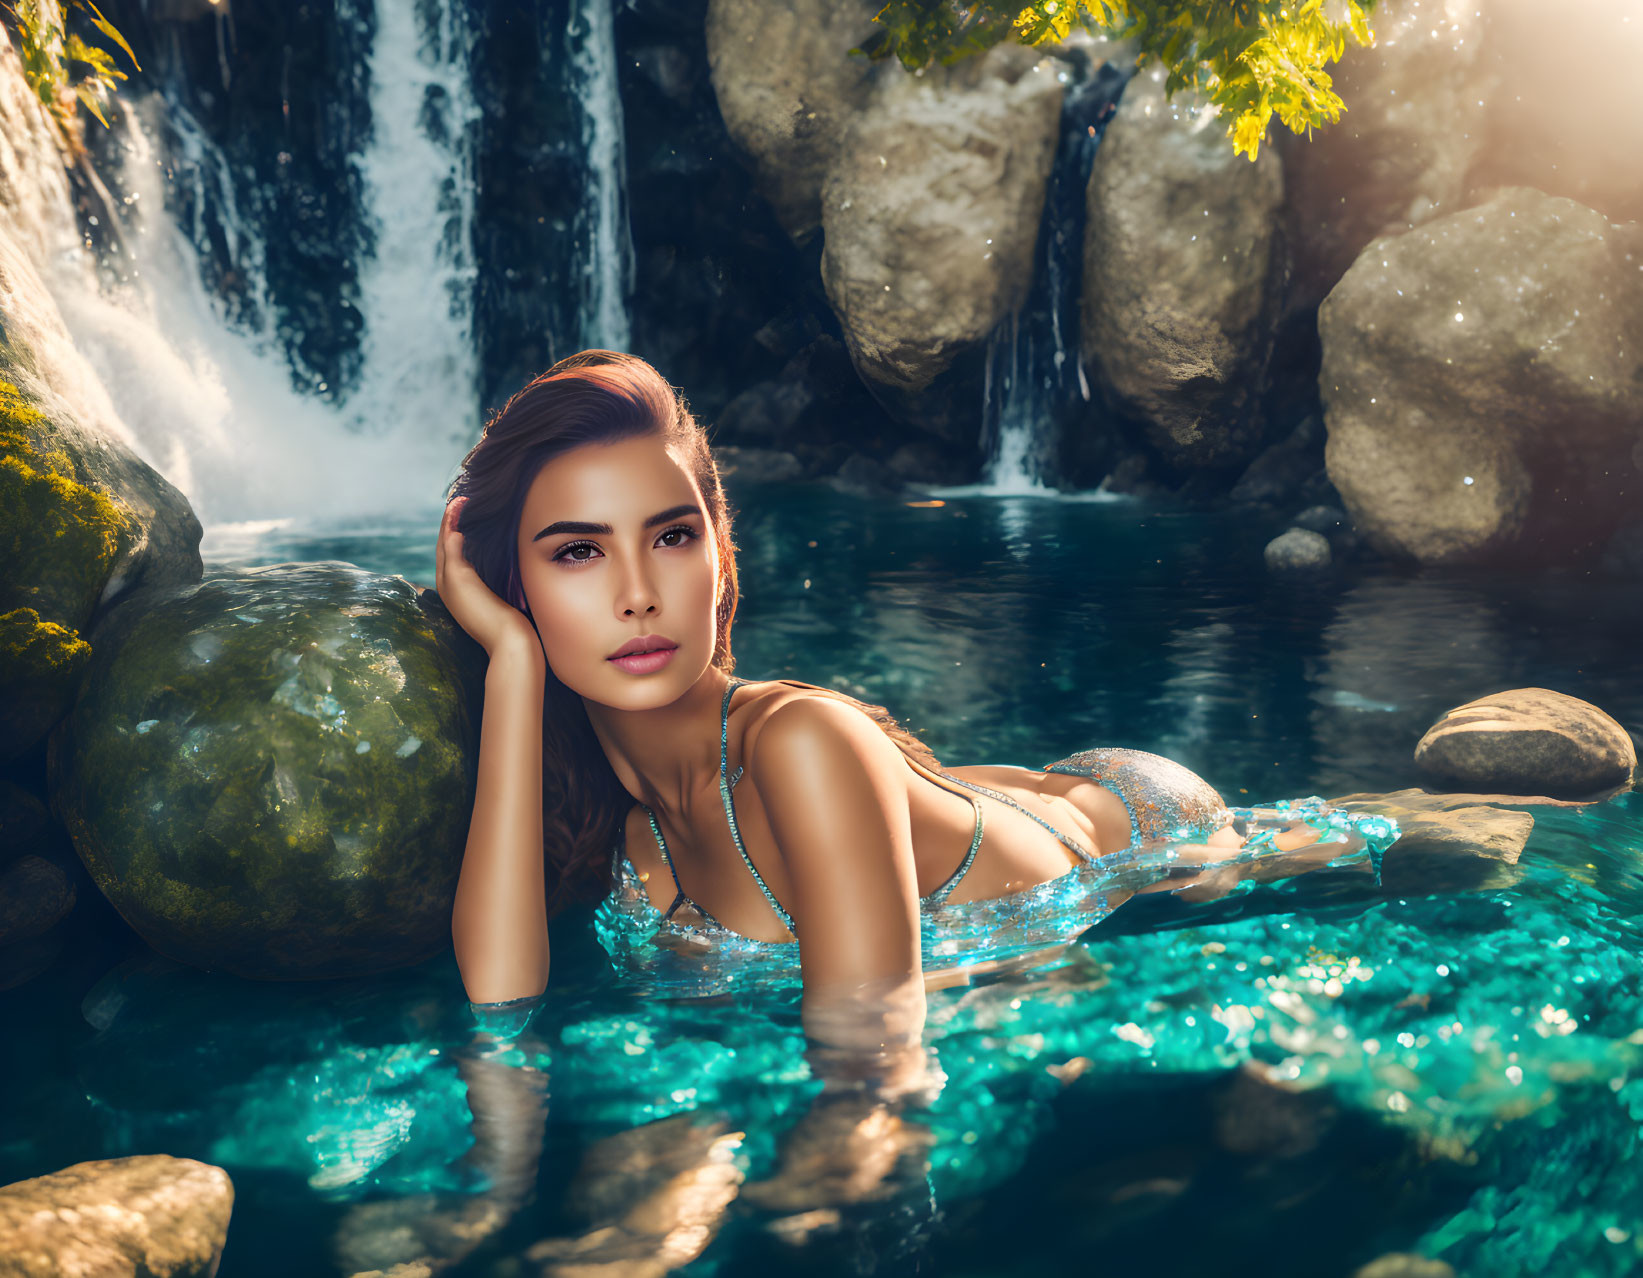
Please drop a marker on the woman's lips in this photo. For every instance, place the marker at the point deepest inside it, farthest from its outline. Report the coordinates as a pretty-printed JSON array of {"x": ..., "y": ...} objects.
[{"x": 644, "y": 662}]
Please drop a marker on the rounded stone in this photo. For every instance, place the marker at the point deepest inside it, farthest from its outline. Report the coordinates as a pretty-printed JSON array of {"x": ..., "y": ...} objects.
[
  {"x": 1297, "y": 551},
  {"x": 148, "y": 1214},
  {"x": 35, "y": 894},
  {"x": 271, "y": 772},
  {"x": 1528, "y": 741}
]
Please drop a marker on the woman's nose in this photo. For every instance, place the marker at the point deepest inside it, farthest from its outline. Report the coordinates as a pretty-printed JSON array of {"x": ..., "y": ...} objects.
[{"x": 637, "y": 593}]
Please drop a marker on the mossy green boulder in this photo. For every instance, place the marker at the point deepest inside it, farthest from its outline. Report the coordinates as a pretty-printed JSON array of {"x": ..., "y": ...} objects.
[
  {"x": 82, "y": 518},
  {"x": 270, "y": 772}
]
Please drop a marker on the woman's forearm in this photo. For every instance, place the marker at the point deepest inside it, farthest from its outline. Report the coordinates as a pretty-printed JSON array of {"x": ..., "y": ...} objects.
[{"x": 499, "y": 923}]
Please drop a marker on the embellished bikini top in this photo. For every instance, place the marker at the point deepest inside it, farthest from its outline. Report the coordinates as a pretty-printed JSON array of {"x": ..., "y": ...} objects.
[{"x": 727, "y": 784}]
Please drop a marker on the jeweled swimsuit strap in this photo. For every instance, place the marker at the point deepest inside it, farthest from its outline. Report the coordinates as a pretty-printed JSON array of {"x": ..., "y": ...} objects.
[
  {"x": 661, "y": 846},
  {"x": 940, "y": 894},
  {"x": 680, "y": 897},
  {"x": 1006, "y": 799},
  {"x": 730, "y": 808}
]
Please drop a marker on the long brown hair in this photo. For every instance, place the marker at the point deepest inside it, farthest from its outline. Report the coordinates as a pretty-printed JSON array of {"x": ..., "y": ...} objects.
[{"x": 592, "y": 397}]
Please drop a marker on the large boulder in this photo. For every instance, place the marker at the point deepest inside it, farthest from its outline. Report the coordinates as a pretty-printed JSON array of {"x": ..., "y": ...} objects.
[
  {"x": 151, "y": 1215},
  {"x": 1528, "y": 741},
  {"x": 787, "y": 87},
  {"x": 1480, "y": 382},
  {"x": 931, "y": 210},
  {"x": 270, "y": 773},
  {"x": 1183, "y": 263}
]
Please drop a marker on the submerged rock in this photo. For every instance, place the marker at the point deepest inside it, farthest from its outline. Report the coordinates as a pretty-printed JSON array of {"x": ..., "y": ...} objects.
[
  {"x": 35, "y": 893},
  {"x": 25, "y": 824},
  {"x": 1182, "y": 269},
  {"x": 1333, "y": 523},
  {"x": 270, "y": 773},
  {"x": 931, "y": 210},
  {"x": 1480, "y": 382},
  {"x": 1529, "y": 741},
  {"x": 1299, "y": 550},
  {"x": 1449, "y": 842},
  {"x": 150, "y": 1215}
]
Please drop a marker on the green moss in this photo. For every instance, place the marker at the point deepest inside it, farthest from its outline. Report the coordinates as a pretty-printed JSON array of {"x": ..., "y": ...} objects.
[
  {"x": 59, "y": 541},
  {"x": 27, "y": 642}
]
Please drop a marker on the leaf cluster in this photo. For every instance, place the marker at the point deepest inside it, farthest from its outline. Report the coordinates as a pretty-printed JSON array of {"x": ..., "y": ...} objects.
[
  {"x": 49, "y": 51},
  {"x": 1252, "y": 59}
]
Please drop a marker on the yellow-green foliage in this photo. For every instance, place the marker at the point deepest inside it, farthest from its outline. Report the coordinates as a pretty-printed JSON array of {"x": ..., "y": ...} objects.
[
  {"x": 1252, "y": 58},
  {"x": 48, "y": 50}
]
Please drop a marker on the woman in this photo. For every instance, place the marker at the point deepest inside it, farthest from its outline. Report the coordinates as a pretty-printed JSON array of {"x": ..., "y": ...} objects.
[{"x": 588, "y": 549}]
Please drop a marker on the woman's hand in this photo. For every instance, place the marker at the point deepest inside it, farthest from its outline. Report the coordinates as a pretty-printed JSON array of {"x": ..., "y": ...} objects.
[{"x": 491, "y": 621}]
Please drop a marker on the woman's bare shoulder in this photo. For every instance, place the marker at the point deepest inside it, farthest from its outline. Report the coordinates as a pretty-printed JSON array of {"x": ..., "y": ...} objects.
[
  {"x": 825, "y": 718},
  {"x": 773, "y": 694}
]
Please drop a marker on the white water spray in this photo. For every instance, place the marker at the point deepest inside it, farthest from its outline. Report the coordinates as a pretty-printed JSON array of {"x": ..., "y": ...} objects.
[
  {"x": 607, "y": 261},
  {"x": 420, "y": 375},
  {"x": 214, "y": 409}
]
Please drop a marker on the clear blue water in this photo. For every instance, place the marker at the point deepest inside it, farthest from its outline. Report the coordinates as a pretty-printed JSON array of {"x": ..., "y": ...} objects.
[{"x": 1294, "y": 1080}]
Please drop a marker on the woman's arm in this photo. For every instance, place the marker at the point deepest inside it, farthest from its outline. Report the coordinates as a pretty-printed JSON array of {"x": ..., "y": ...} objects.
[
  {"x": 499, "y": 924},
  {"x": 830, "y": 783}
]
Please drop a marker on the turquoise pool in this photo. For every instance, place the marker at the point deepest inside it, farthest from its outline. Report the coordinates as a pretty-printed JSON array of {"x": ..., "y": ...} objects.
[{"x": 1295, "y": 1080}]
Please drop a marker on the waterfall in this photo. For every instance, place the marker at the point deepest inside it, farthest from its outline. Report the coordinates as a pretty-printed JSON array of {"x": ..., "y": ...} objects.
[
  {"x": 1035, "y": 382},
  {"x": 602, "y": 230},
  {"x": 201, "y": 387},
  {"x": 418, "y": 366}
]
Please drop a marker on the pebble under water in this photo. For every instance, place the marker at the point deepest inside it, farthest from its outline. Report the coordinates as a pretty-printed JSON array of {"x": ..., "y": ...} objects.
[{"x": 1296, "y": 1078}]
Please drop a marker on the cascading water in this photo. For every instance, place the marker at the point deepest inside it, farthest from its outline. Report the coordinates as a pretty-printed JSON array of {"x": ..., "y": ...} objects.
[
  {"x": 199, "y": 378},
  {"x": 1034, "y": 376},
  {"x": 419, "y": 370},
  {"x": 603, "y": 226}
]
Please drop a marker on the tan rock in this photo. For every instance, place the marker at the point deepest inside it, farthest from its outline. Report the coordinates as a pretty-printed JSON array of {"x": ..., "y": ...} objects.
[
  {"x": 1182, "y": 270},
  {"x": 1479, "y": 381},
  {"x": 1531, "y": 741},
  {"x": 787, "y": 87},
  {"x": 153, "y": 1215},
  {"x": 931, "y": 211},
  {"x": 1449, "y": 842}
]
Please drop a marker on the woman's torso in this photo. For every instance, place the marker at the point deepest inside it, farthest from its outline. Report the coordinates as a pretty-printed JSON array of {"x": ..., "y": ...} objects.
[{"x": 1016, "y": 851}]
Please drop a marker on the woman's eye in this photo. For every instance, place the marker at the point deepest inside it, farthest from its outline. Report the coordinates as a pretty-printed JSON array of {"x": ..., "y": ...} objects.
[{"x": 571, "y": 550}]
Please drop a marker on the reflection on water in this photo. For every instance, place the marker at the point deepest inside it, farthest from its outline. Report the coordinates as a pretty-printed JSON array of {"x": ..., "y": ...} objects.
[{"x": 1310, "y": 1069}]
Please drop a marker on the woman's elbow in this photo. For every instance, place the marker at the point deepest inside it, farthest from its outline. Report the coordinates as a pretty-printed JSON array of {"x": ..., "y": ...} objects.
[{"x": 491, "y": 977}]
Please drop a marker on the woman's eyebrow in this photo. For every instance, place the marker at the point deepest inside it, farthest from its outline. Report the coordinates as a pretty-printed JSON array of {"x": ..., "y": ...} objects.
[{"x": 579, "y": 526}]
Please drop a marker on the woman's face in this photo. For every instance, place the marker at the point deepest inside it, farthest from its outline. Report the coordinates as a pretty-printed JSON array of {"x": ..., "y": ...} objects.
[{"x": 615, "y": 545}]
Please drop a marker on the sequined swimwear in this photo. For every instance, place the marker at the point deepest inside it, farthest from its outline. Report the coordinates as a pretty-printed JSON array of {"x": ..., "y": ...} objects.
[{"x": 1163, "y": 799}]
